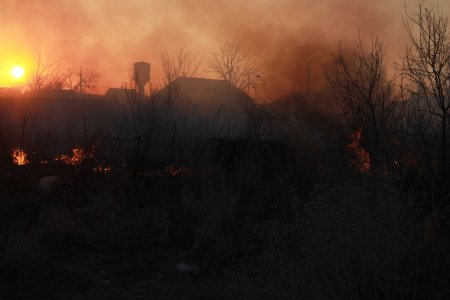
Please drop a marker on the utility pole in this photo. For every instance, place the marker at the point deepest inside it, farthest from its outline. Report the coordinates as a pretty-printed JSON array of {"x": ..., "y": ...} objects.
[
  {"x": 308, "y": 79},
  {"x": 81, "y": 82}
]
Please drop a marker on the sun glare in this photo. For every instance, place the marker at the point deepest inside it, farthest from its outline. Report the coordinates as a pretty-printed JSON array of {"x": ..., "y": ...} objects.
[{"x": 17, "y": 72}]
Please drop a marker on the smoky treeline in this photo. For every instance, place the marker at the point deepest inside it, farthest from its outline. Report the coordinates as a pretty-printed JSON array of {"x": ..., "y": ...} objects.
[
  {"x": 404, "y": 116},
  {"x": 287, "y": 36}
]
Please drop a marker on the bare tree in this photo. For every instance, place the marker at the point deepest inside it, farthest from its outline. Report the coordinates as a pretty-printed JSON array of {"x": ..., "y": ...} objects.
[
  {"x": 181, "y": 64},
  {"x": 45, "y": 75},
  {"x": 359, "y": 82},
  {"x": 82, "y": 81},
  {"x": 233, "y": 63},
  {"x": 426, "y": 64}
]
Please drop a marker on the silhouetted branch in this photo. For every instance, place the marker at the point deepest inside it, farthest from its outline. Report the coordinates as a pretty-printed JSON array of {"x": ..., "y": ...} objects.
[
  {"x": 182, "y": 64},
  {"x": 364, "y": 94},
  {"x": 426, "y": 66},
  {"x": 44, "y": 75},
  {"x": 232, "y": 62}
]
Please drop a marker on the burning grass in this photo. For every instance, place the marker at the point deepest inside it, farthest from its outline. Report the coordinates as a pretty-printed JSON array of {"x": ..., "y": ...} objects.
[
  {"x": 77, "y": 157},
  {"x": 361, "y": 158},
  {"x": 19, "y": 157}
]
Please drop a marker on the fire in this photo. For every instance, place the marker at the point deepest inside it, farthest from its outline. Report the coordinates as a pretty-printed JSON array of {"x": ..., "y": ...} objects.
[
  {"x": 102, "y": 169},
  {"x": 362, "y": 158},
  {"x": 78, "y": 156},
  {"x": 19, "y": 157}
]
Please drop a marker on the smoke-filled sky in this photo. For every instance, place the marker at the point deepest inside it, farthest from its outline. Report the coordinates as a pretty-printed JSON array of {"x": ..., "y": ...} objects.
[{"x": 109, "y": 35}]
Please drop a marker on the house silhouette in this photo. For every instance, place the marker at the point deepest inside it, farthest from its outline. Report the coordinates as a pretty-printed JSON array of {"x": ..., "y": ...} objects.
[{"x": 199, "y": 107}]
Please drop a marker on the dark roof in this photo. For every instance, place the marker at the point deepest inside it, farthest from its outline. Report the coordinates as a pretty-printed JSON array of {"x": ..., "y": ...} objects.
[
  {"x": 9, "y": 92},
  {"x": 205, "y": 95},
  {"x": 119, "y": 93}
]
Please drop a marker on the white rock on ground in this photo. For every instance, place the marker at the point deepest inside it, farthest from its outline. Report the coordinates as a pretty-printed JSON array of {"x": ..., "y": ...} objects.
[
  {"x": 187, "y": 269},
  {"x": 48, "y": 182}
]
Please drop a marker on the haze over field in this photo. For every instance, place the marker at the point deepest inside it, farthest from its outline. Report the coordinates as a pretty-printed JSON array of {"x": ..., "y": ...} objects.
[{"x": 108, "y": 35}]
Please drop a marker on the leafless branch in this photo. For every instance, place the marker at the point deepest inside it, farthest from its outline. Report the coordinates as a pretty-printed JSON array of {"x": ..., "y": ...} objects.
[
  {"x": 365, "y": 95},
  {"x": 181, "y": 64},
  {"x": 44, "y": 75},
  {"x": 426, "y": 66},
  {"x": 232, "y": 62}
]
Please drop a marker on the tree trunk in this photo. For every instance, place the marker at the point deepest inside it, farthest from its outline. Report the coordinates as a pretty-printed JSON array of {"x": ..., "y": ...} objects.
[{"x": 444, "y": 151}]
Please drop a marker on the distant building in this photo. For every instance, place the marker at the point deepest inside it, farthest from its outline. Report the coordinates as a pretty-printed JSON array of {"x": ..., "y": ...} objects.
[
  {"x": 198, "y": 107},
  {"x": 119, "y": 93},
  {"x": 9, "y": 92},
  {"x": 58, "y": 114},
  {"x": 53, "y": 93},
  {"x": 141, "y": 76}
]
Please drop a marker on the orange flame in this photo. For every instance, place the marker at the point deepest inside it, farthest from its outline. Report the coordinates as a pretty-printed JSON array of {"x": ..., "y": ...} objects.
[
  {"x": 78, "y": 155},
  {"x": 19, "y": 157},
  {"x": 362, "y": 158}
]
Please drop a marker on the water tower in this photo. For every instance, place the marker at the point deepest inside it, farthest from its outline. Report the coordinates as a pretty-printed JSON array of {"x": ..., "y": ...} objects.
[{"x": 141, "y": 76}]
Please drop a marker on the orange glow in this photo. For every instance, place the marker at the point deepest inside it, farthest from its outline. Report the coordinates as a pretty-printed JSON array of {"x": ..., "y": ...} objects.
[
  {"x": 102, "y": 169},
  {"x": 361, "y": 159},
  {"x": 19, "y": 157},
  {"x": 78, "y": 156},
  {"x": 15, "y": 63}
]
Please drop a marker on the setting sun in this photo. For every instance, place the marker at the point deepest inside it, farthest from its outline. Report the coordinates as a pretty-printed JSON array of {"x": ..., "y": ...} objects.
[{"x": 17, "y": 72}]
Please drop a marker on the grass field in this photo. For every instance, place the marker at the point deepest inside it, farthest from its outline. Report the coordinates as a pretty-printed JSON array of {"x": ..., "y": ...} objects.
[{"x": 253, "y": 219}]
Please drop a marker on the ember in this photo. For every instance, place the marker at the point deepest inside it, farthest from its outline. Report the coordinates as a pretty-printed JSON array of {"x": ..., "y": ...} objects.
[
  {"x": 19, "y": 157},
  {"x": 102, "y": 169},
  {"x": 361, "y": 158},
  {"x": 172, "y": 170},
  {"x": 78, "y": 155}
]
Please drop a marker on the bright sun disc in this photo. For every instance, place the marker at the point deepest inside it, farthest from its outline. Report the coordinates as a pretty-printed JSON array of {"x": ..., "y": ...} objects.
[{"x": 17, "y": 72}]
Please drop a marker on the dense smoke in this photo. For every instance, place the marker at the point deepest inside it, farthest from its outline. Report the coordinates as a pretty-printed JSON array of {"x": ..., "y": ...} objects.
[{"x": 286, "y": 35}]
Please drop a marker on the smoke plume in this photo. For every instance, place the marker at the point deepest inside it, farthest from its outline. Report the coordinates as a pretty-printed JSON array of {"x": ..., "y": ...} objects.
[{"x": 289, "y": 36}]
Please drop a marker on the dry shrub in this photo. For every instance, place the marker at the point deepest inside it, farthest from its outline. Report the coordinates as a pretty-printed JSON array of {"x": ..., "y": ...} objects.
[
  {"x": 358, "y": 245},
  {"x": 25, "y": 260}
]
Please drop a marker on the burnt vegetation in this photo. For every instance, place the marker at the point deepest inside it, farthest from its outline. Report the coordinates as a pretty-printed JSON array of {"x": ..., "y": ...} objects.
[{"x": 352, "y": 204}]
